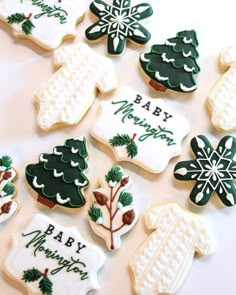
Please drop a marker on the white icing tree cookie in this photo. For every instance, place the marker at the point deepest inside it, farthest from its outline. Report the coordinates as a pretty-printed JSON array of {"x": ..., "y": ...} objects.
[
  {"x": 69, "y": 93},
  {"x": 144, "y": 130},
  {"x": 163, "y": 260},
  {"x": 8, "y": 207},
  {"x": 112, "y": 213},
  {"x": 46, "y": 22},
  {"x": 52, "y": 259},
  {"x": 222, "y": 97}
]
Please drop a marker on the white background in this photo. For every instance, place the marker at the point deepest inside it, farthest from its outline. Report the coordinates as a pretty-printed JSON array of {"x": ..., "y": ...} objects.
[{"x": 24, "y": 66}]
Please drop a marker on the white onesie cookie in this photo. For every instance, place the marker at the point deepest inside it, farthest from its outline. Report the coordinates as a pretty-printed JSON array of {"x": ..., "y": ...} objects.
[
  {"x": 69, "y": 93},
  {"x": 222, "y": 97},
  {"x": 163, "y": 260}
]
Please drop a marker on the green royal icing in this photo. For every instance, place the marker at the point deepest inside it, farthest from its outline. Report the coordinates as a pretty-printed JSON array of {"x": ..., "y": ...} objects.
[
  {"x": 213, "y": 170},
  {"x": 59, "y": 177},
  {"x": 38, "y": 243},
  {"x": 173, "y": 64},
  {"x": 127, "y": 111},
  {"x": 119, "y": 22},
  {"x": 50, "y": 11}
]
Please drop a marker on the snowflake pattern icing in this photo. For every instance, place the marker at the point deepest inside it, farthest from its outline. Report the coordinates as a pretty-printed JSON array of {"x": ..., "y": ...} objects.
[
  {"x": 119, "y": 21},
  {"x": 214, "y": 170}
]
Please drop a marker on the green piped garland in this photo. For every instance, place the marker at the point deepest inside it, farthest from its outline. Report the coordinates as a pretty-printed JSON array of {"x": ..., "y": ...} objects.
[
  {"x": 17, "y": 18},
  {"x": 125, "y": 139}
]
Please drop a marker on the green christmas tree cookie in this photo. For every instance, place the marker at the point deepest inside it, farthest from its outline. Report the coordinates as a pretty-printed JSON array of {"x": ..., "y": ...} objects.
[
  {"x": 213, "y": 170},
  {"x": 59, "y": 178},
  {"x": 119, "y": 22},
  {"x": 173, "y": 65}
]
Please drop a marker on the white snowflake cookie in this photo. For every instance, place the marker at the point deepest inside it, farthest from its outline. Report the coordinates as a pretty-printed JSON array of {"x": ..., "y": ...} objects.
[
  {"x": 222, "y": 97},
  {"x": 144, "y": 130},
  {"x": 163, "y": 260},
  {"x": 48, "y": 258},
  {"x": 70, "y": 92},
  {"x": 46, "y": 22}
]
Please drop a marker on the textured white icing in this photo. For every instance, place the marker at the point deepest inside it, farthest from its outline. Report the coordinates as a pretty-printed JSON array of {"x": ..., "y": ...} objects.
[
  {"x": 222, "y": 97},
  {"x": 21, "y": 258},
  {"x": 163, "y": 260},
  {"x": 48, "y": 32},
  {"x": 69, "y": 93}
]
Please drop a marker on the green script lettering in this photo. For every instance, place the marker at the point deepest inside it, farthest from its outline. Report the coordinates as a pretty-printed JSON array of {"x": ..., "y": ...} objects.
[
  {"x": 159, "y": 132},
  {"x": 38, "y": 242},
  {"x": 55, "y": 11}
]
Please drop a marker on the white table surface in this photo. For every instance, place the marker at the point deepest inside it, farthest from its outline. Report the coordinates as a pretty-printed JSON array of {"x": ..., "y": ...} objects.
[{"x": 24, "y": 66}]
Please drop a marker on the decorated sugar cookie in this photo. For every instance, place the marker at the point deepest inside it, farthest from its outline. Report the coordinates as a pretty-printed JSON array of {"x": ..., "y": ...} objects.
[
  {"x": 144, "y": 130},
  {"x": 69, "y": 93},
  {"x": 222, "y": 97},
  {"x": 112, "y": 213},
  {"x": 213, "y": 170},
  {"x": 8, "y": 207},
  {"x": 163, "y": 260},
  {"x": 119, "y": 21},
  {"x": 51, "y": 259},
  {"x": 46, "y": 22},
  {"x": 59, "y": 178},
  {"x": 173, "y": 65}
]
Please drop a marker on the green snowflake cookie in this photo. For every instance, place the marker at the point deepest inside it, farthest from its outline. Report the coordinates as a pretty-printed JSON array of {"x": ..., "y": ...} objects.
[
  {"x": 213, "y": 170},
  {"x": 173, "y": 65},
  {"x": 119, "y": 22}
]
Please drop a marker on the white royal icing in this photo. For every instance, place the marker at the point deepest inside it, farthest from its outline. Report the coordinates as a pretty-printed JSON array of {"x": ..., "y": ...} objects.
[
  {"x": 35, "y": 183},
  {"x": 154, "y": 148},
  {"x": 222, "y": 97},
  {"x": 72, "y": 264},
  {"x": 53, "y": 21},
  {"x": 67, "y": 96},
  {"x": 162, "y": 262}
]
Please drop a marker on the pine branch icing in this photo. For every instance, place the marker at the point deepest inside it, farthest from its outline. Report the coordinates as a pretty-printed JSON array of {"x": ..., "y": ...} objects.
[
  {"x": 125, "y": 140},
  {"x": 119, "y": 22},
  {"x": 173, "y": 65},
  {"x": 8, "y": 207},
  {"x": 112, "y": 213},
  {"x": 46, "y": 22},
  {"x": 213, "y": 170},
  {"x": 33, "y": 274},
  {"x": 59, "y": 178}
]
